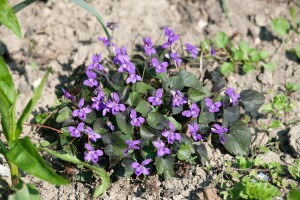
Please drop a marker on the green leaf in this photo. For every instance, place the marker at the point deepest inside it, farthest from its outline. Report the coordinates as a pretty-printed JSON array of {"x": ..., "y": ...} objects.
[
  {"x": 221, "y": 40},
  {"x": 175, "y": 82},
  {"x": 134, "y": 99},
  {"x": 197, "y": 94},
  {"x": 184, "y": 152},
  {"x": 24, "y": 154},
  {"x": 9, "y": 19},
  {"x": 294, "y": 194},
  {"x": 190, "y": 80},
  {"x": 157, "y": 121},
  {"x": 280, "y": 26},
  {"x": 275, "y": 124},
  {"x": 266, "y": 108},
  {"x": 22, "y": 5},
  {"x": 252, "y": 100},
  {"x": 264, "y": 54},
  {"x": 293, "y": 13},
  {"x": 292, "y": 86},
  {"x": 248, "y": 68},
  {"x": 88, "y": 8},
  {"x": 25, "y": 192},
  {"x": 231, "y": 114},
  {"x": 239, "y": 139},
  {"x": 115, "y": 145},
  {"x": 63, "y": 115},
  {"x": 30, "y": 105},
  {"x": 227, "y": 68},
  {"x": 141, "y": 87},
  {"x": 243, "y": 162},
  {"x": 143, "y": 107},
  {"x": 97, "y": 170},
  {"x": 165, "y": 166},
  {"x": 297, "y": 51},
  {"x": 270, "y": 66},
  {"x": 124, "y": 124},
  {"x": 177, "y": 125},
  {"x": 254, "y": 55},
  {"x": 245, "y": 48},
  {"x": 8, "y": 96},
  {"x": 205, "y": 116}
]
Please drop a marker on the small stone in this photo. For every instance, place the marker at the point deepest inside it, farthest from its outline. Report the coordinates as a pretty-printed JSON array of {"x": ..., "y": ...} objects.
[
  {"x": 4, "y": 171},
  {"x": 294, "y": 140},
  {"x": 270, "y": 157}
]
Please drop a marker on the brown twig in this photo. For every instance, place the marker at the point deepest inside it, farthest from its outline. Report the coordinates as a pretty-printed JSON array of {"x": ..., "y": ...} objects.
[{"x": 43, "y": 126}]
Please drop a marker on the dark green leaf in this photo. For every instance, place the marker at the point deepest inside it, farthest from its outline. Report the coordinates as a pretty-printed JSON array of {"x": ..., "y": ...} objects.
[
  {"x": 134, "y": 99},
  {"x": 97, "y": 170},
  {"x": 175, "y": 82},
  {"x": 115, "y": 145},
  {"x": 205, "y": 116},
  {"x": 239, "y": 139},
  {"x": 141, "y": 87},
  {"x": 197, "y": 94},
  {"x": 184, "y": 152},
  {"x": 280, "y": 26},
  {"x": 165, "y": 166},
  {"x": 125, "y": 170},
  {"x": 24, "y": 154},
  {"x": 98, "y": 126},
  {"x": 190, "y": 80},
  {"x": 252, "y": 100},
  {"x": 157, "y": 121},
  {"x": 63, "y": 115},
  {"x": 124, "y": 124},
  {"x": 143, "y": 107},
  {"x": 30, "y": 105},
  {"x": 90, "y": 117},
  {"x": 217, "y": 80},
  {"x": 230, "y": 115},
  {"x": 203, "y": 152},
  {"x": 177, "y": 125},
  {"x": 9, "y": 19}
]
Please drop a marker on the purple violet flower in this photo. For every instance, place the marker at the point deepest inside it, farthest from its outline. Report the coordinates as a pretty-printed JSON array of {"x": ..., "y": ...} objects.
[
  {"x": 91, "y": 81},
  {"x": 161, "y": 149},
  {"x": 91, "y": 154},
  {"x": 194, "y": 111},
  {"x": 75, "y": 131},
  {"x": 148, "y": 46},
  {"x": 176, "y": 58},
  {"x": 156, "y": 100},
  {"x": 136, "y": 121},
  {"x": 114, "y": 104},
  {"x": 112, "y": 25},
  {"x": 121, "y": 55},
  {"x": 98, "y": 103},
  {"x": 159, "y": 68},
  {"x": 132, "y": 78},
  {"x": 178, "y": 99},
  {"x": 104, "y": 40},
  {"x": 171, "y": 38},
  {"x": 170, "y": 134},
  {"x": 131, "y": 145},
  {"x": 220, "y": 130},
  {"x": 234, "y": 97},
  {"x": 213, "y": 107},
  {"x": 191, "y": 49},
  {"x": 81, "y": 112},
  {"x": 193, "y": 131},
  {"x": 92, "y": 135},
  {"x": 212, "y": 50},
  {"x": 96, "y": 65},
  {"x": 140, "y": 168},
  {"x": 68, "y": 95}
]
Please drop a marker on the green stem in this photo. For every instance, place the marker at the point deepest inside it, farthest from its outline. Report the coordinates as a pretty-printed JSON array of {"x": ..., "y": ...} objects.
[{"x": 14, "y": 171}]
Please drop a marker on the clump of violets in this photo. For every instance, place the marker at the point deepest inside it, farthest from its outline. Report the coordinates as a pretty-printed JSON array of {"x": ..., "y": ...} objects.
[
  {"x": 148, "y": 46},
  {"x": 171, "y": 38},
  {"x": 213, "y": 107},
  {"x": 140, "y": 168},
  {"x": 234, "y": 97},
  {"x": 136, "y": 121},
  {"x": 156, "y": 100},
  {"x": 76, "y": 131},
  {"x": 91, "y": 154},
  {"x": 193, "y": 129},
  {"x": 131, "y": 145},
  {"x": 193, "y": 112},
  {"x": 161, "y": 149},
  {"x": 220, "y": 131},
  {"x": 159, "y": 67},
  {"x": 178, "y": 99},
  {"x": 82, "y": 111},
  {"x": 170, "y": 134},
  {"x": 115, "y": 104}
]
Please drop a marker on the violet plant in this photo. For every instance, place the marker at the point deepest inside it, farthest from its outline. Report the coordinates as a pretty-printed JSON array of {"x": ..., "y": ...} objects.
[{"x": 146, "y": 113}]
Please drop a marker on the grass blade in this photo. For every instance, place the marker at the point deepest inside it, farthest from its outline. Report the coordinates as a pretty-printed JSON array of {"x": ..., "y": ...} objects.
[
  {"x": 33, "y": 101},
  {"x": 22, "y": 5},
  {"x": 87, "y": 7}
]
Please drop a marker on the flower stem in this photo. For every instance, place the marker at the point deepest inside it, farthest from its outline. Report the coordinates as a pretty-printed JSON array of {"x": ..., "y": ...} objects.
[{"x": 14, "y": 171}]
